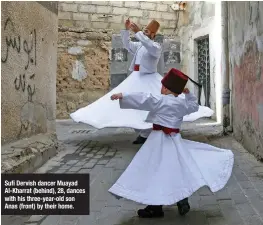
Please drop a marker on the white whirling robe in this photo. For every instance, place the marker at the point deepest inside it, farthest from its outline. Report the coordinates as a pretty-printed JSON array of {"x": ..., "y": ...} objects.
[
  {"x": 168, "y": 168},
  {"x": 139, "y": 55},
  {"x": 106, "y": 113}
]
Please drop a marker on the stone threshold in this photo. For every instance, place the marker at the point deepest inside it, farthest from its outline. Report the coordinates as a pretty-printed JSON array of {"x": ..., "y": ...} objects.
[
  {"x": 201, "y": 130},
  {"x": 27, "y": 155}
]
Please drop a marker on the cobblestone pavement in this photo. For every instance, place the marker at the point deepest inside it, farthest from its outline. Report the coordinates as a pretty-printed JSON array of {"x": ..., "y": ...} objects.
[{"x": 106, "y": 153}]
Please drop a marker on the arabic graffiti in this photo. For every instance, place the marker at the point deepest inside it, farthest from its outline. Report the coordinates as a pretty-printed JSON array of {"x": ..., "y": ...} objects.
[
  {"x": 20, "y": 84},
  {"x": 13, "y": 41}
]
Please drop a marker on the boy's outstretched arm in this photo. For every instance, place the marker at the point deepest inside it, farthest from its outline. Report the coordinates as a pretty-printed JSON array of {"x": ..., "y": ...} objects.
[
  {"x": 139, "y": 101},
  {"x": 116, "y": 96}
]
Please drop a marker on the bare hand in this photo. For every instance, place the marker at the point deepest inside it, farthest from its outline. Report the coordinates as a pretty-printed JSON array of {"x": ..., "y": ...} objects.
[
  {"x": 186, "y": 91},
  {"x": 127, "y": 24},
  {"x": 116, "y": 96},
  {"x": 134, "y": 28}
]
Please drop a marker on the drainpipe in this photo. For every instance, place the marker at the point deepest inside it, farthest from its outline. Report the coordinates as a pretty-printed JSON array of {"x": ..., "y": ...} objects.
[{"x": 225, "y": 70}]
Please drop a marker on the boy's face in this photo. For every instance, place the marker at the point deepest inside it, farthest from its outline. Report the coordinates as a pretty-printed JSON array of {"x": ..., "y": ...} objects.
[{"x": 164, "y": 90}]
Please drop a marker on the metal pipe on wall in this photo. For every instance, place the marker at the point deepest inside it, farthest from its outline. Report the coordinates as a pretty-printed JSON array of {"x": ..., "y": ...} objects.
[
  {"x": 225, "y": 69},
  {"x": 230, "y": 78}
]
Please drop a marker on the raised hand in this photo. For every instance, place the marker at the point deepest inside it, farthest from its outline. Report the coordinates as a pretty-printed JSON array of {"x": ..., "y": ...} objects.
[
  {"x": 134, "y": 27},
  {"x": 127, "y": 24},
  {"x": 116, "y": 96},
  {"x": 186, "y": 91}
]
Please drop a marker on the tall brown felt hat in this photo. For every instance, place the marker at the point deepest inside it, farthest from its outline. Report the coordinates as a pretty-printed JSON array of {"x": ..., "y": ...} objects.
[{"x": 153, "y": 26}]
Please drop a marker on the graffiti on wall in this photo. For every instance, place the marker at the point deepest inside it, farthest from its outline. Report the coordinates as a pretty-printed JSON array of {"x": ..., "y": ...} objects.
[
  {"x": 26, "y": 49},
  {"x": 172, "y": 55},
  {"x": 119, "y": 55}
]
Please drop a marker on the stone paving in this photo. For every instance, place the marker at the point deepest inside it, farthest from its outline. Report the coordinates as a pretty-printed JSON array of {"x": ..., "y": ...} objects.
[{"x": 106, "y": 153}]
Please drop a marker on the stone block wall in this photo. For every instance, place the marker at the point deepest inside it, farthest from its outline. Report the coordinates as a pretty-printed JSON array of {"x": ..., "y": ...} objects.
[
  {"x": 246, "y": 70},
  {"x": 112, "y": 14},
  {"x": 28, "y": 69}
]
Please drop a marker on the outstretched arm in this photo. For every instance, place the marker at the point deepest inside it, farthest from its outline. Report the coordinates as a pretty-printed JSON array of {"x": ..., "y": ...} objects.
[{"x": 139, "y": 101}]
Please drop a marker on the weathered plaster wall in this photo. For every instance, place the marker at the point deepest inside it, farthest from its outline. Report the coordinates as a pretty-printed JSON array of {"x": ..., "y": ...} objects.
[
  {"x": 200, "y": 17},
  {"x": 28, "y": 74},
  {"x": 83, "y": 68},
  {"x": 246, "y": 69},
  {"x": 85, "y": 46}
]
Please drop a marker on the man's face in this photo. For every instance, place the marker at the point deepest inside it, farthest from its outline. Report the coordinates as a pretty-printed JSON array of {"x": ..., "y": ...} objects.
[{"x": 148, "y": 33}]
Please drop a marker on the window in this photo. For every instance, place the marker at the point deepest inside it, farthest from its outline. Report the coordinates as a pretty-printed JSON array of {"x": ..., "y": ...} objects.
[{"x": 203, "y": 69}]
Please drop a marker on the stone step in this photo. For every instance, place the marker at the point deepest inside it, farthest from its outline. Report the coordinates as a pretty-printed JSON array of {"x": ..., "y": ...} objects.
[{"x": 26, "y": 155}]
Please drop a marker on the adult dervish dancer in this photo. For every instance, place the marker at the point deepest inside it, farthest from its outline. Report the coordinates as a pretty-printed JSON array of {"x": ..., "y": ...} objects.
[{"x": 144, "y": 78}]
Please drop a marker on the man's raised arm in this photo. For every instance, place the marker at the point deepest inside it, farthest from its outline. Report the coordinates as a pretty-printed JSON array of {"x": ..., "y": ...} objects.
[{"x": 127, "y": 43}]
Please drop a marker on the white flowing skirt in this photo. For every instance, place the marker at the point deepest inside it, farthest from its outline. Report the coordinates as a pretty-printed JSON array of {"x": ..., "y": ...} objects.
[
  {"x": 107, "y": 113},
  {"x": 168, "y": 169}
]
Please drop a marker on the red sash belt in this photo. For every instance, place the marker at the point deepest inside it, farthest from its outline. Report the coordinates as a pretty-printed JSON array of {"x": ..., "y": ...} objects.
[
  {"x": 136, "y": 67},
  {"x": 166, "y": 130}
]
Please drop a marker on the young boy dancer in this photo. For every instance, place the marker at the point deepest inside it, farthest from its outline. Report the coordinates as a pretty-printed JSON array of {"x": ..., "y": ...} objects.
[{"x": 168, "y": 169}]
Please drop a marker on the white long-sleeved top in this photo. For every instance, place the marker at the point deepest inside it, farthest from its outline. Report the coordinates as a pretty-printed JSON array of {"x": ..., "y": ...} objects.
[
  {"x": 151, "y": 51},
  {"x": 139, "y": 55},
  {"x": 164, "y": 110}
]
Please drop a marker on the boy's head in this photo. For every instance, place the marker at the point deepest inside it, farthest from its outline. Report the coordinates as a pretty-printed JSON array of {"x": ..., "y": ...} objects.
[
  {"x": 166, "y": 91},
  {"x": 174, "y": 82}
]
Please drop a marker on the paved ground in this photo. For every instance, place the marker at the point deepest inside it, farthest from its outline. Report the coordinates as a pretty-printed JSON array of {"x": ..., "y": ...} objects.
[{"x": 106, "y": 153}]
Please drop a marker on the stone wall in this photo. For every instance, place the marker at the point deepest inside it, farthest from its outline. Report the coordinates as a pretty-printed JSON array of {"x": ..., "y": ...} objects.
[
  {"x": 85, "y": 46},
  {"x": 200, "y": 23},
  {"x": 112, "y": 14},
  {"x": 28, "y": 73},
  {"x": 246, "y": 70}
]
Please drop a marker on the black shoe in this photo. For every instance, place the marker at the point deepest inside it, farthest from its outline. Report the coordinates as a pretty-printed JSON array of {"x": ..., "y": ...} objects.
[
  {"x": 183, "y": 207},
  {"x": 139, "y": 140},
  {"x": 151, "y": 211}
]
